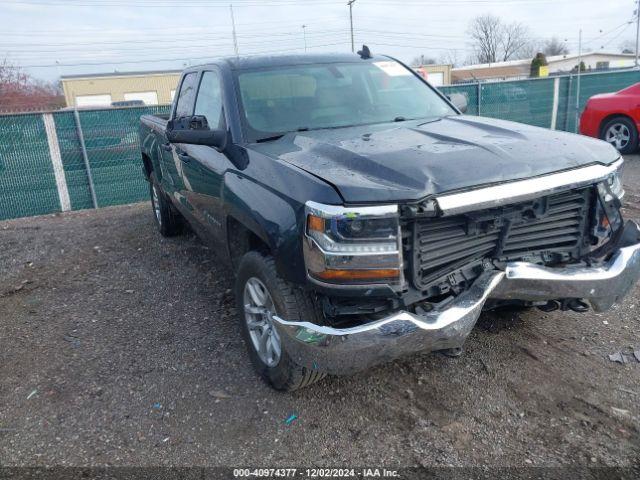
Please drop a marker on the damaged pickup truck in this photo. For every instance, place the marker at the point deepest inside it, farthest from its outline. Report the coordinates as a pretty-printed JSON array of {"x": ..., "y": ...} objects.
[{"x": 366, "y": 219}]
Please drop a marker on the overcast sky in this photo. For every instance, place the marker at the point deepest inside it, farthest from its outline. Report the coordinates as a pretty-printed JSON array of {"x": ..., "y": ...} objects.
[{"x": 53, "y": 37}]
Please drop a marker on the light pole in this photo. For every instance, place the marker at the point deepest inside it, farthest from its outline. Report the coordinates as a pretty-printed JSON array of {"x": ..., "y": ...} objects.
[
  {"x": 637, "y": 29},
  {"x": 350, "y": 3},
  {"x": 58, "y": 69},
  {"x": 304, "y": 36},
  {"x": 578, "y": 80},
  {"x": 233, "y": 31}
]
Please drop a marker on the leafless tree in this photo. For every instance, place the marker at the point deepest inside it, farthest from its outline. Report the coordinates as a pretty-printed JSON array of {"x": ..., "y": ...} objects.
[
  {"x": 530, "y": 50},
  {"x": 515, "y": 39},
  {"x": 450, "y": 57},
  {"x": 554, "y": 46},
  {"x": 494, "y": 41},
  {"x": 486, "y": 33}
]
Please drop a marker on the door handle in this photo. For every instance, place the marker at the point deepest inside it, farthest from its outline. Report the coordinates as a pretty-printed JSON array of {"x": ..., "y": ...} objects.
[
  {"x": 184, "y": 157},
  {"x": 166, "y": 147}
]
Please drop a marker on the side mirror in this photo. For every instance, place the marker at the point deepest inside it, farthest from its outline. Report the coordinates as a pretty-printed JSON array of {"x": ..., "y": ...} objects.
[
  {"x": 459, "y": 100},
  {"x": 194, "y": 130}
]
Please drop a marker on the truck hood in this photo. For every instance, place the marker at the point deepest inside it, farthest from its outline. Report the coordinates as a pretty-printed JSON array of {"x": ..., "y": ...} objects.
[{"x": 412, "y": 160}]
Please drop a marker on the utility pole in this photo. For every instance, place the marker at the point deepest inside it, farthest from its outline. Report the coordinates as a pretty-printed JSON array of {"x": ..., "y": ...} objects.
[
  {"x": 350, "y": 3},
  {"x": 59, "y": 72},
  {"x": 637, "y": 29},
  {"x": 578, "y": 80},
  {"x": 304, "y": 35},
  {"x": 233, "y": 30}
]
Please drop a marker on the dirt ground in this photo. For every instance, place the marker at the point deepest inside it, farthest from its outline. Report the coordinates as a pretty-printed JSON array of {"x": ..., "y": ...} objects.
[{"x": 119, "y": 347}]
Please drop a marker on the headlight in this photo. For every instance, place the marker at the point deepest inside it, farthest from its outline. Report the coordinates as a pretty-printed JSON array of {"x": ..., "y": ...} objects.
[
  {"x": 615, "y": 184},
  {"x": 358, "y": 245},
  {"x": 602, "y": 230},
  {"x": 608, "y": 219}
]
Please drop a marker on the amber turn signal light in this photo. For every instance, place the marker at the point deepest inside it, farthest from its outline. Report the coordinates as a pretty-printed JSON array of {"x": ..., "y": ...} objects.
[
  {"x": 315, "y": 223},
  {"x": 359, "y": 275}
]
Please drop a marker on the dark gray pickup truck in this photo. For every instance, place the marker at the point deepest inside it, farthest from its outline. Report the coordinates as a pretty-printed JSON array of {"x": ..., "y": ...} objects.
[{"x": 366, "y": 218}]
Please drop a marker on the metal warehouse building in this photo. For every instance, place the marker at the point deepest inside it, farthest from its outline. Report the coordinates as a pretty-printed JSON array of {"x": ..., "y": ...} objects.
[{"x": 101, "y": 90}]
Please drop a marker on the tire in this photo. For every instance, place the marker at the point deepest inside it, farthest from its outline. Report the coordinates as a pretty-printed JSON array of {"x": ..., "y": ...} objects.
[
  {"x": 274, "y": 365},
  {"x": 167, "y": 219},
  {"x": 621, "y": 133}
]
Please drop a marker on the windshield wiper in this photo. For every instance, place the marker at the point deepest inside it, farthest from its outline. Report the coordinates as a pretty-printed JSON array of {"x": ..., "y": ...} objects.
[
  {"x": 280, "y": 135},
  {"x": 432, "y": 120},
  {"x": 270, "y": 139}
]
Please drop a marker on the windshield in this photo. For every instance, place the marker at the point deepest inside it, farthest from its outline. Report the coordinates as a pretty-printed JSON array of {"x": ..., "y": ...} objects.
[{"x": 295, "y": 98}]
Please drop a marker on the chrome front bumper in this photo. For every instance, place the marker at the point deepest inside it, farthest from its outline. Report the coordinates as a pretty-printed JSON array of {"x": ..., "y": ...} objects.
[{"x": 348, "y": 350}]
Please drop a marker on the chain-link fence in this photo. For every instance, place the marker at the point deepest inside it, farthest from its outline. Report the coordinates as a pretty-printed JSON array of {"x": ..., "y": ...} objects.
[
  {"x": 545, "y": 102},
  {"x": 72, "y": 160},
  {"x": 51, "y": 162}
]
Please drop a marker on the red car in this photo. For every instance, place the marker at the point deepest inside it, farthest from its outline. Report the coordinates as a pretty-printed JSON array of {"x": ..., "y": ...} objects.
[{"x": 614, "y": 117}]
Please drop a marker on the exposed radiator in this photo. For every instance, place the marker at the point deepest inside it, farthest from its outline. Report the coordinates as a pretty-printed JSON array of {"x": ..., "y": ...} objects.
[{"x": 551, "y": 225}]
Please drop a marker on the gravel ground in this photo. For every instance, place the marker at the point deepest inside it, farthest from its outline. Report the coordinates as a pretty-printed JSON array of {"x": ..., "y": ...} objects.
[{"x": 119, "y": 347}]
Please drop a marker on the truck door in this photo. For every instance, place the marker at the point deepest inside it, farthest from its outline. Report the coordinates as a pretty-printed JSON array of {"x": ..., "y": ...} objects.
[
  {"x": 171, "y": 161},
  {"x": 203, "y": 167}
]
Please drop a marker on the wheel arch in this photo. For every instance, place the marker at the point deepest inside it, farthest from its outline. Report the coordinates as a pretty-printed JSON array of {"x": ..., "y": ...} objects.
[
  {"x": 271, "y": 221},
  {"x": 242, "y": 239},
  {"x": 147, "y": 164}
]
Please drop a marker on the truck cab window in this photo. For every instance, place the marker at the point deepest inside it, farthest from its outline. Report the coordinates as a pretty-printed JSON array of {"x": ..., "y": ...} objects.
[
  {"x": 209, "y": 100},
  {"x": 187, "y": 93}
]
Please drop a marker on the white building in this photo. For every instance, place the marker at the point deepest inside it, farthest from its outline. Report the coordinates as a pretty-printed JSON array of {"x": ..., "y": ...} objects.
[{"x": 557, "y": 64}]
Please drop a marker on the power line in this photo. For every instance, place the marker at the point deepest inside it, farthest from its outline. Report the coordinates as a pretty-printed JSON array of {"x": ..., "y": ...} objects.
[
  {"x": 415, "y": 47},
  {"x": 618, "y": 35},
  {"x": 186, "y": 50},
  {"x": 176, "y": 48},
  {"x": 160, "y": 60},
  {"x": 222, "y": 39},
  {"x": 78, "y": 30},
  {"x": 190, "y": 4},
  {"x": 256, "y": 3},
  {"x": 155, "y": 41},
  {"x": 26, "y": 47},
  {"x": 225, "y": 3}
]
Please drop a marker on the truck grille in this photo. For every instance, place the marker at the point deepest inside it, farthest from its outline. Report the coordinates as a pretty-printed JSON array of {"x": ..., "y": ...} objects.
[{"x": 551, "y": 227}]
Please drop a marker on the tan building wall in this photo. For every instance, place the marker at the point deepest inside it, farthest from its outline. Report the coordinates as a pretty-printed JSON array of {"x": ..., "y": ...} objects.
[
  {"x": 497, "y": 72},
  {"x": 436, "y": 74},
  {"x": 121, "y": 87}
]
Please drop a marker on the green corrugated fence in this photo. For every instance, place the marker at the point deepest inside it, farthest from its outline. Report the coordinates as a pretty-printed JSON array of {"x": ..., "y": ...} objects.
[
  {"x": 27, "y": 183},
  {"x": 532, "y": 101},
  {"x": 113, "y": 150},
  {"x": 43, "y": 168}
]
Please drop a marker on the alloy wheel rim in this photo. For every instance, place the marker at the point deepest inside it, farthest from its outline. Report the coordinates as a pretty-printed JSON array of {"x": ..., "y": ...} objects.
[
  {"x": 156, "y": 205},
  {"x": 618, "y": 135},
  {"x": 259, "y": 310}
]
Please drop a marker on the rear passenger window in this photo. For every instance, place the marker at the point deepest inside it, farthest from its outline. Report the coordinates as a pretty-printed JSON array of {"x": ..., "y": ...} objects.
[
  {"x": 187, "y": 94},
  {"x": 209, "y": 101}
]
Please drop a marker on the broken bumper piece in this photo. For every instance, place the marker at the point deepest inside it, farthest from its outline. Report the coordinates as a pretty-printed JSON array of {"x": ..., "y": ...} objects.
[{"x": 348, "y": 350}]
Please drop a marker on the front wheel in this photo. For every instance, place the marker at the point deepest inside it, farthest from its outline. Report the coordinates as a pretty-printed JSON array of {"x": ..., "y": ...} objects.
[
  {"x": 260, "y": 295},
  {"x": 621, "y": 133}
]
